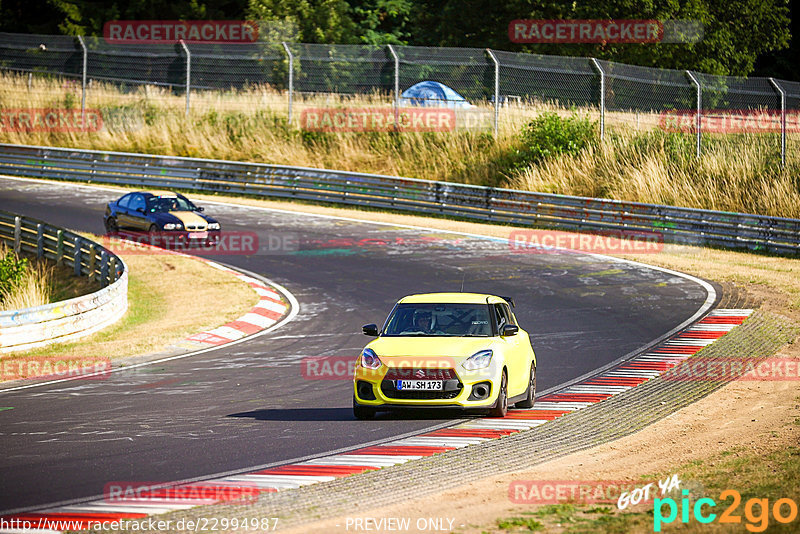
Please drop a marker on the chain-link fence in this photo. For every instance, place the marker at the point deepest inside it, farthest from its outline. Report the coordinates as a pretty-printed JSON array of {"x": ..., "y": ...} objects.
[{"x": 502, "y": 88}]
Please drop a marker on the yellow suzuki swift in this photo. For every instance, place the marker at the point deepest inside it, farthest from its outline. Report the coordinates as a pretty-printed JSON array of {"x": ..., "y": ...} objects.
[{"x": 449, "y": 350}]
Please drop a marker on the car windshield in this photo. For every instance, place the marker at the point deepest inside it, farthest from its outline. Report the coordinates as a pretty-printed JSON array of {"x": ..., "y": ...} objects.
[
  {"x": 439, "y": 320},
  {"x": 163, "y": 204}
]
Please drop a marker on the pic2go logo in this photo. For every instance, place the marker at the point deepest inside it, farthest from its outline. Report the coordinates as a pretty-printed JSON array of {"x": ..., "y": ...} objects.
[{"x": 756, "y": 511}]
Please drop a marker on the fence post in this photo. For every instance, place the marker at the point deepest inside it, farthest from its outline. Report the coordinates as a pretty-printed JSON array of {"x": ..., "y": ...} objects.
[
  {"x": 76, "y": 255},
  {"x": 602, "y": 73},
  {"x": 291, "y": 77},
  {"x": 188, "y": 74},
  {"x": 698, "y": 126},
  {"x": 782, "y": 94},
  {"x": 17, "y": 234},
  {"x": 83, "y": 81},
  {"x": 104, "y": 268},
  {"x": 496, "y": 88},
  {"x": 396, "y": 85},
  {"x": 39, "y": 240}
]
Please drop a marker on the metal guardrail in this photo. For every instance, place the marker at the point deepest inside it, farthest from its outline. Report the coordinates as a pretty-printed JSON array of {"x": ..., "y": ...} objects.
[
  {"x": 673, "y": 224},
  {"x": 70, "y": 319}
]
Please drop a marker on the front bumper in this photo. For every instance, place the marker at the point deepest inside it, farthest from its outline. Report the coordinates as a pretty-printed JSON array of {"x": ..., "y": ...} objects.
[{"x": 377, "y": 388}]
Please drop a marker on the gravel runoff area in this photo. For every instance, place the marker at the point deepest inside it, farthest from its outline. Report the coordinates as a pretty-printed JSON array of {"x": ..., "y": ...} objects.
[{"x": 760, "y": 337}]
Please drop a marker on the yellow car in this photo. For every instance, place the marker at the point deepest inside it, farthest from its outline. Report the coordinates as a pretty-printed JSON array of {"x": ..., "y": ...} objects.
[{"x": 449, "y": 350}]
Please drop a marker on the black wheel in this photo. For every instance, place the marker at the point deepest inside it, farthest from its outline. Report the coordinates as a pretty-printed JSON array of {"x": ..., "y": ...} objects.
[
  {"x": 363, "y": 412},
  {"x": 531, "y": 397},
  {"x": 500, "y": 409},
  {"x": 153, "y": 229},
  {"x": 111, "y": 225}
]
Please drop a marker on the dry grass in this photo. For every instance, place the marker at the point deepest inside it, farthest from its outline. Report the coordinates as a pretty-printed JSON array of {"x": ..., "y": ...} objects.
[
  {"x": 169, "y": 298},
  {"x": 638, "y": 161},
  {"x": 34, "y": 288},
  {"x": 655, "y": 168}
]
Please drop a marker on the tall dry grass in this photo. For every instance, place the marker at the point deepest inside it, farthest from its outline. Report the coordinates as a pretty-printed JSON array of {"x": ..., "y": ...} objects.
[
  {"x": 740, "y": 174},
  {"x": 33, "y": 289},
  {"x": 638, "y": 161}
]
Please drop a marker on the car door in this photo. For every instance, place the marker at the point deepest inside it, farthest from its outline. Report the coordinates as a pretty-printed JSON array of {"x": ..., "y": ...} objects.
[
  {"x": 119, "y": 210},
  {"x": 137, "y": 218},
  {"x": 516, "y": 361}
]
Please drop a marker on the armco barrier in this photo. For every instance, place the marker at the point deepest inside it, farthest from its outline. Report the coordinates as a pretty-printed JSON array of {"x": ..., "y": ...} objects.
[
  {"x": 69, "y": 319},
  {"x": 675, "y": 224}
]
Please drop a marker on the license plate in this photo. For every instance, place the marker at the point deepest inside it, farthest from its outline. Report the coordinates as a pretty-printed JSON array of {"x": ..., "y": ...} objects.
[
  {"x": 198, "y": 235},
  {"x": 419, "y": 385}
]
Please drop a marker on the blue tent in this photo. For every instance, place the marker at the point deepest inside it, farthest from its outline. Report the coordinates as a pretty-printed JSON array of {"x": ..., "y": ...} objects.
[{"x": 433, "y": 94}]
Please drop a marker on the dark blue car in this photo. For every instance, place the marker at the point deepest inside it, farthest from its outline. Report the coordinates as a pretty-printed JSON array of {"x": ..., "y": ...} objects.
[{"x": 161, "y": 213}]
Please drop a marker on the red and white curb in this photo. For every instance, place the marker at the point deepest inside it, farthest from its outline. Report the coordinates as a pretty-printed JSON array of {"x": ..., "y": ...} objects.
[
  {"x": 268, "y": 311},
  {"x": 624, "y": 376}
]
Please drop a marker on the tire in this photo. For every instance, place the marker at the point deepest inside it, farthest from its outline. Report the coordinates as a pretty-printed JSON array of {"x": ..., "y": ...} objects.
[
  {"x": 500, "y": 409},
  {"x": 153, "y": 229},
  {"x": 363, "y": 412},
  {"x": 111, "y": 226},
  {"x": 531, "y": 397}
]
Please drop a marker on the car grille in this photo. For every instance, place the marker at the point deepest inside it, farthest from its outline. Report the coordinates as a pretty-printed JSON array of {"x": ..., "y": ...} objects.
[
  {"x": 195, "y": 227},
  {"x": 452, "y": 385},
  {"x": 406, "y": 373},
  {"x": 389, "y": 391}
]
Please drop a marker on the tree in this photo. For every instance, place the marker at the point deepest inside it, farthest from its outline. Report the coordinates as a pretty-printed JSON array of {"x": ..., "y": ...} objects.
[{"x": 735, "y": 32}]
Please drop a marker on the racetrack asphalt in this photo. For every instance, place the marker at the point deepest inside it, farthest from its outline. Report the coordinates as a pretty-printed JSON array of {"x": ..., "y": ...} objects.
[{"x": 249, "y": 404}]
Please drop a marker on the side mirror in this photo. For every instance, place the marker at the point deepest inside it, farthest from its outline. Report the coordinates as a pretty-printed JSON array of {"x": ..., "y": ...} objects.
[
  {"x": 370, "y": 330},
  {"x": 140, "y": 210},
  {"x": 510, "y": 330},
  {"x": 200, "y": 208}
]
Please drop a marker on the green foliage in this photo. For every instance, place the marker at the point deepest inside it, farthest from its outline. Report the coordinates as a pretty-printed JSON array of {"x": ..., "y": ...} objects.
[
  {"x": 12, "y": 270},
  {"x": 550, "y": 135},
  {"x": 520, "y": 523},
  {"x": 735, "y": 34}
]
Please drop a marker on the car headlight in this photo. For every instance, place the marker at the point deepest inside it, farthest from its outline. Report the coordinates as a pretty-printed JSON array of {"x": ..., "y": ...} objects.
[
  {"x": 479, "y": 360},
  {"x": 370, "y": 360},
  {"x": 213, "y": 226},
  {"x": 173, "y": 226}
]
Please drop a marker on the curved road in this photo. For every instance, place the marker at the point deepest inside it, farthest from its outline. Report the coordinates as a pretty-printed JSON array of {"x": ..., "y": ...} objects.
[{"x": 249, "y": 405}]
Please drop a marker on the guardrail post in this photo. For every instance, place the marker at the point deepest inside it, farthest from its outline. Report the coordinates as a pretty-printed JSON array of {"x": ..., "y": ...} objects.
[
  {"x": 291, "y": 77},
  {"x": 83, "y": 82},
  {"x": 92, "y": 260},
  {"x": 112, "y": 270},
  {"x": 602, "y": 73},
  {"x": 396, "y": 85},
  {"x": 188, "y": 74},
  {"x": 698, "y": 125},
  {"x": 782, "y": 94},
  {"x": 76, "y": 256},
  {"x": 59, "y": 246},
  {"x": 496, "y": 88},
  {"x": 104, "y": 268},
  {"x": 39, "y": 240},
  {"x": 17, "y": 234}
]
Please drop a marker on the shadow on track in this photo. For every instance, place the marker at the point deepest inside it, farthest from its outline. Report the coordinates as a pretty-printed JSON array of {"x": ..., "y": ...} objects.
[{"x": 345, "y": 414}]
